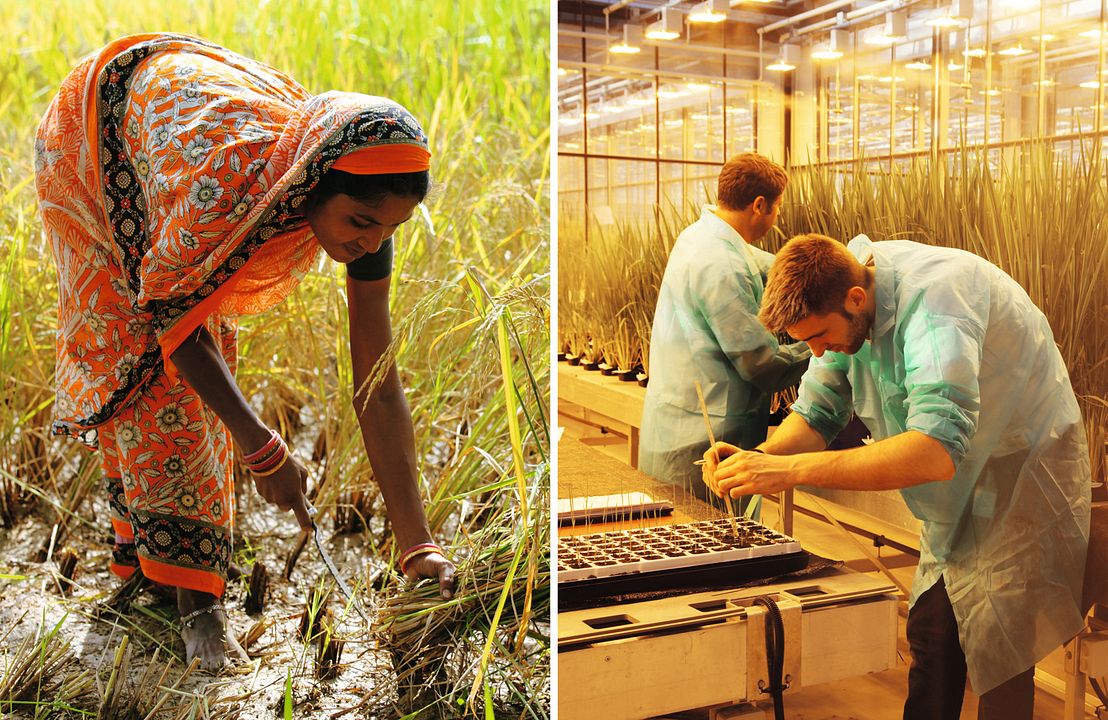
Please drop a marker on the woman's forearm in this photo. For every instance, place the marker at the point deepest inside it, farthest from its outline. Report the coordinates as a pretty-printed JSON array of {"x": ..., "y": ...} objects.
[
  {"x": 386, "y": 424},
  {"x": 200, "y": 363}
]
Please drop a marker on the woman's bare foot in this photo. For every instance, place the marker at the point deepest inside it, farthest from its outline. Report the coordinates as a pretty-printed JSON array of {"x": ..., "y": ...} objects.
[{"x": 204, "y": 630}]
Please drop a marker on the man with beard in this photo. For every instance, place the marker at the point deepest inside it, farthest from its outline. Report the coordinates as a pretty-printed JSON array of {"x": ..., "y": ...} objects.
[{"x": 956, "y": 374}]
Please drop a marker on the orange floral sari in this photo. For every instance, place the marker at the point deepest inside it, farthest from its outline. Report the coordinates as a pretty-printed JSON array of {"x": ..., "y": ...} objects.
[{"x": 170, "y": 173}]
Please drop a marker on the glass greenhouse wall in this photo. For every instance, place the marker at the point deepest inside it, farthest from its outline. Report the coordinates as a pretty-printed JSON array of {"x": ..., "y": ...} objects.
[
  {"x": 883, "y": 82},
  {"x": 964, "y": 123}
]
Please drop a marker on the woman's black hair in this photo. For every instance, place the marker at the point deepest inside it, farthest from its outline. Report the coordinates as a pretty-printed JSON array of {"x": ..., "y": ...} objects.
[{"x": 370, "y": 189}]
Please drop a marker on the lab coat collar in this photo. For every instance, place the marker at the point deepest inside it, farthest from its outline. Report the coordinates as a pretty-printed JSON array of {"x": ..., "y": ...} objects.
[
  {"x": 885, "y": 298},
  {"x": 720, "y": 227}
]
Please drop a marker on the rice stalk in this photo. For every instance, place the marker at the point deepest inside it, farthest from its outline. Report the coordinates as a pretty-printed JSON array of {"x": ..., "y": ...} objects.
[
  {"x": 34, "y": 678},
  {"x": 417, "y": 619}
]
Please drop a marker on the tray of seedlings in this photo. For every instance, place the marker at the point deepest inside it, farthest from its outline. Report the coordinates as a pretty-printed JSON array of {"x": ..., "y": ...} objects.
[{"x": 708, "y": 553}]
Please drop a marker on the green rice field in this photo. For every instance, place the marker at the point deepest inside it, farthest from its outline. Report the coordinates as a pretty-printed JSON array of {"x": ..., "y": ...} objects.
[{"x": 471, "y": 312}]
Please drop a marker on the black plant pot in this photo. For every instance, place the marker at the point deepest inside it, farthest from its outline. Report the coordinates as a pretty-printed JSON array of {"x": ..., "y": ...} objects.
[
  {"x": 574, "y": 360},
  {"x": 561, "y": 357},
  {"x": 643, "y": 379},
  {"x": 629, "y": 375},
  {"x": 606, "y": 369},
  {"x": 592, "y": 365}
]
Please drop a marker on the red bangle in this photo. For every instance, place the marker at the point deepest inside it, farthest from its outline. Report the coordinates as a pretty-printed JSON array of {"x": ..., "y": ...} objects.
[
  {"x": 273, "y": 442},
  {"x": 277, "y": 457},
  {"x": 415, "y": 551}
]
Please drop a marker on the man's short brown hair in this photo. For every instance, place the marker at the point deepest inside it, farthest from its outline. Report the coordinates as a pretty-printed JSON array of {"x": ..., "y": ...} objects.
[
  {"x": 746, "y": 176},
  {"x": 810, "y": 275}
]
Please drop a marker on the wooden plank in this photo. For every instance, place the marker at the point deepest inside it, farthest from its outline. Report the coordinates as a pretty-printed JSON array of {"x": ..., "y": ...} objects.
[
  {"x": 620, "y": 401},
  {"x": 842, "y": 642},
  {"x": 624, "y": 679},
  {"x": 681, "y": 661}
]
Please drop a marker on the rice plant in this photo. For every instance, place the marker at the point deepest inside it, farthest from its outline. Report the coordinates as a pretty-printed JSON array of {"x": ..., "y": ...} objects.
[
  {"x": 608, "y": 288},
  {"x": 470, "y": 312},
  {"x": 39, "y": 677}
]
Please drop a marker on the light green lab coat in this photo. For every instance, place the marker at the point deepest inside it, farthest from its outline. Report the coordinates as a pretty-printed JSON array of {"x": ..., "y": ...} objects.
[
  {"x": 706, "y": 329},
  {"x": 962, "y": 355}
]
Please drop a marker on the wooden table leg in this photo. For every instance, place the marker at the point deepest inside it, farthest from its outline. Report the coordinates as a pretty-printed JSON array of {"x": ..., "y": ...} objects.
[
  {"x": 787, "y": 512},
  {"x": 1075, "y": 684}
]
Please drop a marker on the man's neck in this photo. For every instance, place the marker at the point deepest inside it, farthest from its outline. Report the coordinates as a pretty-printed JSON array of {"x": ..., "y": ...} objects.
[
  {"x": 871, "y": 287},
  {"x": 740, "y": 221}
]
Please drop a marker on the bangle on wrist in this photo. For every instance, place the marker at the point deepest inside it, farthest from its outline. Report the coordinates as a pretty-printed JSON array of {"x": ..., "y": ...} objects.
[
  {"x": 278, "y": 466},
  {"x": 415, "y": 551},
  {"x": 264, "y": 450},
  {"x": 271, "y": 461},
  {"x": 269, "y": 457}
]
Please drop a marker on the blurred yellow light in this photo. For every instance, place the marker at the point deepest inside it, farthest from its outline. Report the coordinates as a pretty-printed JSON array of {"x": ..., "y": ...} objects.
[
  {"x": 1044, "y": 83},
  {"x": 1015, "y": 51},
  {"x": 781, "y": 66},
  {"x": 709, "y": 11},
  {"x": 669, "y": 94},
  {"x": 706, "y": 17},
  {"x": 640, "y": 101},
  {"x": 918, "y": 65},
  {"x": 826, "y": 54},
  {"x": 954, "y": 66},
  {"x": 992, "y": 93},
  {"x": 698, "y": 87},
  {"x": 562, "y": 72},
  {"x": 1094, "y": 33},
  {"x": 674, "y": 123},
  {"x": 1090, "y": 84},
  {"x": 1045, "y": 37},
  {"x": 944, "y": 21},
  {"x": 669, "y": 25},
  {"x": 629, "y": 45},
  {"x": 974, "y": 52}
]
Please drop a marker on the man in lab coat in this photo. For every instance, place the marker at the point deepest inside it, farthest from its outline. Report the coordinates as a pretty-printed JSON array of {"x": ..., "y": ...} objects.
[
  {"x": 955, "y": 372},
  {"x": 706, "y": 329}
]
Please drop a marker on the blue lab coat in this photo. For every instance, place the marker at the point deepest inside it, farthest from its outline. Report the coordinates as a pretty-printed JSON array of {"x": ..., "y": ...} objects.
[
  {"x": 706, "y": 329},
  {"x": 960, "y": 353}
]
